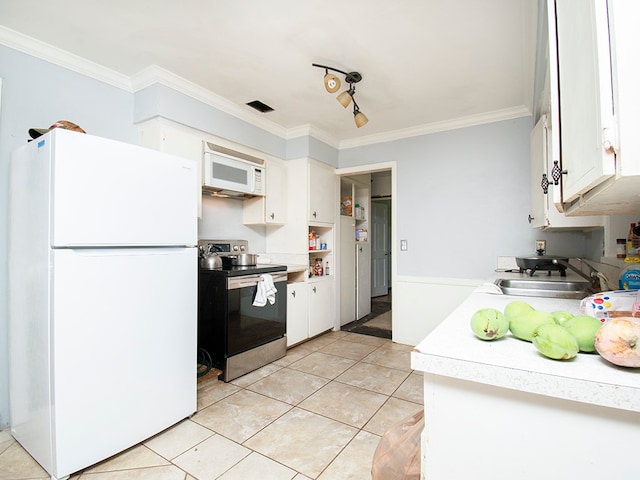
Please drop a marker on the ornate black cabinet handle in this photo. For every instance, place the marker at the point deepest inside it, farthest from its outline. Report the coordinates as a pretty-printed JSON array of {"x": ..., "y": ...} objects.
[
  {"x": 556, "y": 173},
  {"x": 545, "y": 183}
]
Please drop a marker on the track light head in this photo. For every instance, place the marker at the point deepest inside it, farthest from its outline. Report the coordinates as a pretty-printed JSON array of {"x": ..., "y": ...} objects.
[
  {"x": 345, "y": 97},
  {"x": 331, "y": 82},
  {"x": 359, "y": 117}
]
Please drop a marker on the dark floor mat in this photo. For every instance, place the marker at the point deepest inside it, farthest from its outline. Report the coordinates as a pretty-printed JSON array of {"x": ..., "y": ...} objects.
[
  {"x": 371, "y": 331},
  {"x": 359, "y": 326}
]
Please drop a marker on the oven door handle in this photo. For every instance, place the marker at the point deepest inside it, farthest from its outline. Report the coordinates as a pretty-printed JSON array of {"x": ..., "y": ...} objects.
[{"x": 252, "y": 280}]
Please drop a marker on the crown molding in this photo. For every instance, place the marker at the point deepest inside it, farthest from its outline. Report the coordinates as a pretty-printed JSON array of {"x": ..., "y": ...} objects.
[
  {"x": 57, "y": 56},
  {"x": 463, "y": 122},
  {"x": 309, "y": 130},
  {"x": 156, "y": 74}
]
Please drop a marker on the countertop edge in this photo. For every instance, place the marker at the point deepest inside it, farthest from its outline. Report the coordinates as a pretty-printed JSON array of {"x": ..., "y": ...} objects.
[{"x": 563, "y": 387}]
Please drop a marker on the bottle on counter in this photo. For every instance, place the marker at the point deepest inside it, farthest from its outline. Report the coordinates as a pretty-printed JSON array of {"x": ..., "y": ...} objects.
[
  {"x": 326, "y": 268},
  {"x": 621, "y": 248},
  {"x": 635, "y": 239},
  {"x": 631, "y": 250},
  {"x": 313, "y": 240},
  {"x": 630, "y": 276}
]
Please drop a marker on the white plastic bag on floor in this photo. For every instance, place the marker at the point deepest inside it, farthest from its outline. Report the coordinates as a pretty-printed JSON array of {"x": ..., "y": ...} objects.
[{"x": 397, "y": 456}]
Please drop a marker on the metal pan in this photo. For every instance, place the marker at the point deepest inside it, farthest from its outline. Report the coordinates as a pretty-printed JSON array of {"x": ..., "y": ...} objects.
[
  {"x": 242, "y": 259},
  {"x": 540, "y": 262}
]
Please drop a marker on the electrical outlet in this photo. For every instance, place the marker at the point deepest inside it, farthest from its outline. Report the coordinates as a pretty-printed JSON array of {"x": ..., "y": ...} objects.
[
  {"x": 507, "y": 263},
  {"x": 541, "y": 245},
  {"x": 403, "y": 245}
]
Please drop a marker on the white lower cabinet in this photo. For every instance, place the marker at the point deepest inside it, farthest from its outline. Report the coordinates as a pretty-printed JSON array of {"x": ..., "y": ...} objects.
[
  {"x": 309, "y": 309},
  {"x": 297, "y": 313},
  {"x": 321, "y": 305}
]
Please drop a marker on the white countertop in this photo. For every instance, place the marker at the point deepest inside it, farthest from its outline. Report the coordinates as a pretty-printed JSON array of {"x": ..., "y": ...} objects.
[{"x": 453, "y": 350}]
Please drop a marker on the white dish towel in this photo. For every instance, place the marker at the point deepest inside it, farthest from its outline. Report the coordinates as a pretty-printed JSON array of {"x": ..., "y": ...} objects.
[{"x": 266, "y": 290}]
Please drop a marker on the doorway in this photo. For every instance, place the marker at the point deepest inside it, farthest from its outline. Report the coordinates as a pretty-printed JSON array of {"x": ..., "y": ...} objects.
[{"x": 378, "y": 320}]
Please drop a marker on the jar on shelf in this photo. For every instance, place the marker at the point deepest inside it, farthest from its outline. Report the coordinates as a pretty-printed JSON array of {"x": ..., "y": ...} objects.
[{"x": 317, "y": 268}]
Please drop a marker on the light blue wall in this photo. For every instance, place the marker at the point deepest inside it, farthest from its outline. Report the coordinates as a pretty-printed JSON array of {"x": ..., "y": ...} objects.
[{"x": 463, "y": 198}]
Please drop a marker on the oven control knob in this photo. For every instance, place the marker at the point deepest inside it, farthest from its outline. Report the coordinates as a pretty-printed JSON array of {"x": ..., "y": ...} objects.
[{"x": 242, "y": 249}]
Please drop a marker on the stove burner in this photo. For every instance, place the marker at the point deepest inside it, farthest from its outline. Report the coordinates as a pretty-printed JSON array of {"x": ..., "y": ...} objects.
[{"x": 546, "y": 268}]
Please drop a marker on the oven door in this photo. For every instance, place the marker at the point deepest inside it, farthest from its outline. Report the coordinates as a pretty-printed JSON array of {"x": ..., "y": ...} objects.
[{"x": 249, "y": 326}]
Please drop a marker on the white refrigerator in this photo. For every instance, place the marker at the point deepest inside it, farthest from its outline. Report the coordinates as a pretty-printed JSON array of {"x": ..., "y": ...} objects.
[{"x": 102, "y": 297}]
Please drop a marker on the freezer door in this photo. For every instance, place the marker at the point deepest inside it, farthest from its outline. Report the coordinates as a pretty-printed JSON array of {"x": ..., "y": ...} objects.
[
  {"x": 107, "y": 193},
  {"x": 124, "y": 348}
]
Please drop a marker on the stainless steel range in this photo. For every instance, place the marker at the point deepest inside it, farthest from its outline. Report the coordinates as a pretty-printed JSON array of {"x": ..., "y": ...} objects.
[{"x": 238, "y": 335}]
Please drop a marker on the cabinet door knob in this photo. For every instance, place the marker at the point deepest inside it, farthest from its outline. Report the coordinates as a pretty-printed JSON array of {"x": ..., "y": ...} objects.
[
  {"x": 273, "y": 215},
  {"x": 315, "y": 214},
  {"x": 314, "y": 289},
  {"x": 556, "y": 173},
  {"x": 531, "y": 218},
  {"x": 545, "y": 184},
  {"x": 293, "y": 294}
]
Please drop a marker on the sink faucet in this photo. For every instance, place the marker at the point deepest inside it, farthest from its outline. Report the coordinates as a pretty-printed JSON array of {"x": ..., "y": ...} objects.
[{"x": 596, "y": 279}]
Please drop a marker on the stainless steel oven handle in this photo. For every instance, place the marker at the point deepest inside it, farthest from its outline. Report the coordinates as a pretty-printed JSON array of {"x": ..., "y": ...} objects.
[{"x": 252, "y": 280}]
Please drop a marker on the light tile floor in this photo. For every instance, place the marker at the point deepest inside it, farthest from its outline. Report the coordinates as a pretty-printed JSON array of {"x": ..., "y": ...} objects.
[{"x": 317, "y": 413}]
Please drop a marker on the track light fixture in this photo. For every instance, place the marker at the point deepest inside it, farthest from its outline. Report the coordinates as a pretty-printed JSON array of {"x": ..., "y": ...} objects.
[{"x": 332, "y": 85}]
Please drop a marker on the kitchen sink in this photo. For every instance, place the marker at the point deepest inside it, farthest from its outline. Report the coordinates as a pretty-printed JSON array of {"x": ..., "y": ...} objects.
[{"x": 544, "y": 288}]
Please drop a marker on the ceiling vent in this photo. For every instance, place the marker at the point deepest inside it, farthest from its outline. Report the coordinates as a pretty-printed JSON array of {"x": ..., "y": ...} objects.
[{"x": 261, "y": 107}]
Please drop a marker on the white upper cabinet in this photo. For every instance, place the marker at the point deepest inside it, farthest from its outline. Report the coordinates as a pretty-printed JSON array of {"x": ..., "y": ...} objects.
[
  {"x": 544, "y": 214},
  {"x": 169, "y": 137},
  {"x": 598, "y": 77},
  {"x": 270, "y": 209},
  {"x": 322, "y": 193}
]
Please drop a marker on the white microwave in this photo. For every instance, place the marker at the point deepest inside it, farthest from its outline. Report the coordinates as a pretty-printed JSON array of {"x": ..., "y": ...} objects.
[{"x": 232, "y": 174}]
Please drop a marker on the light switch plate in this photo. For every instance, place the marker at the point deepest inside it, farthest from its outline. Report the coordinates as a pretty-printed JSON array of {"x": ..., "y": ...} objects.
[{"x": 403, "y": 245}]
